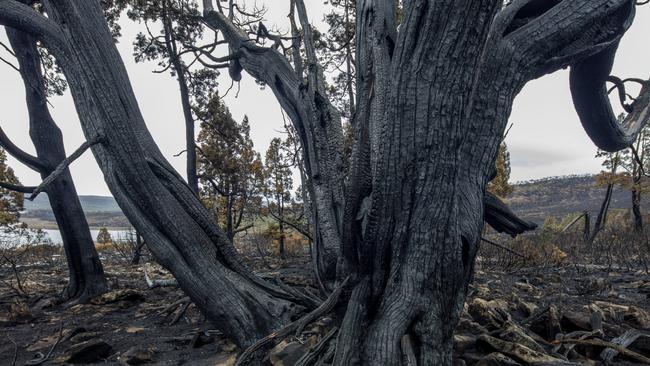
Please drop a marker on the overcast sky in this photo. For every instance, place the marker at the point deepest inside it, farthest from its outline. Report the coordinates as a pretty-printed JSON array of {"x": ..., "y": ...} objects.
[{"x": 546, "y": 139}]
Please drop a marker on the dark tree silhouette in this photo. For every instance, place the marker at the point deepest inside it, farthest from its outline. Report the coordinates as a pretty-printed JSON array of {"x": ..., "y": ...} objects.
[
  {"x": 432, "y": 102},
  {"x": 85, "y": 269}
]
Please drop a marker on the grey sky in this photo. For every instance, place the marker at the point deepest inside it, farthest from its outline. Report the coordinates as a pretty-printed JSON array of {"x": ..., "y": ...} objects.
[{"x": 547, "y": 138}]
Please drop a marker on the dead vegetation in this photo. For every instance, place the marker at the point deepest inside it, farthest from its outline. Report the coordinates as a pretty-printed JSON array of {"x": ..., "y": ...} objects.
[{"x": 560, "y": 304}]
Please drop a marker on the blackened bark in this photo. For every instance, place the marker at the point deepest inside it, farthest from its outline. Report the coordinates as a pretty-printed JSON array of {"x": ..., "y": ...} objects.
[
  {"x": 636, "y": 210},
  {"x": 86, "y": 275},
  {"x": 586, "y": 233},
  {"x": 499, "y": 216},
  {"x": 137, "y": 253},
  {"x": 601, "y": 219},
  {"x": 180, "y": 232}
]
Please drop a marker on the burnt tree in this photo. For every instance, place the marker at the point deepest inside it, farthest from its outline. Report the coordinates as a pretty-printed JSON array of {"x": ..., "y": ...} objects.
[
  {"x": 432, "y": 102},
  {"x": 85, "y": 269}
]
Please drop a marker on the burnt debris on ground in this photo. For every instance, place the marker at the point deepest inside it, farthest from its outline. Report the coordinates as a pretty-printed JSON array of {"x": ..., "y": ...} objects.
[{"x": 563, "y": 315}]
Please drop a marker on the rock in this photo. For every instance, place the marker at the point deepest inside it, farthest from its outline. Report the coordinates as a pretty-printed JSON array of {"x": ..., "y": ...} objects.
[
  {"x": 84, "y": 336},
  {"x": 225, "y": 360},
  {"x": 287, "y": 353},
  {"x": 471, "y": 327},
  {"x": 45, "y": 303},
  {"x": 19, "y": 312},
  {"x": 515, "y": 334},
  {"x": 463, "y": 342},
  {"x": 134, "y": 330},
  {"x": 496, "y": 359},
  {"x": 86, "y": 352},
  {"x": 137, "y": 356},
  {"x": 633, "y": 315},
  {"x": 637, "y": 317},
  {"x": 228, "y": 347},
  {"x": 518, "y": 352},
  {"x": 490, "y": 314},
  {"x": 526, "y": 308},
  {"x": 525, "y": 287},
  {"x": 125, "y": 295}
]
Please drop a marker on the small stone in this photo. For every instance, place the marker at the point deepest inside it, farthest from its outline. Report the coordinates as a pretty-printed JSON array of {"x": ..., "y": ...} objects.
[
  {"x": 287, "y": 353},
  {"x": 45, "y": 303},
  {"x": 126, "y": 295},
  {"x": 201, "y": 339},
  {"x": 84, "y": 336},
  {"x": 137, "y": 356}
]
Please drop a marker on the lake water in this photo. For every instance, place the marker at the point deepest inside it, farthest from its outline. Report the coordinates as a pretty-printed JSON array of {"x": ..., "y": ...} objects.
[{"x": 55, "y": 236}]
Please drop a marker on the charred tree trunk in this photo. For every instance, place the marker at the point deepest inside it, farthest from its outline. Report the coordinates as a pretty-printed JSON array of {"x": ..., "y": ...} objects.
[
  {"x": 636, "y": 210},
  {"x": 587, "y": 236},
  {"x": 85, "y": 269},
  {"x": 179, "y": 231},
  {"x": 137, "y": 253},
  {"x": 601, "y": 219}
]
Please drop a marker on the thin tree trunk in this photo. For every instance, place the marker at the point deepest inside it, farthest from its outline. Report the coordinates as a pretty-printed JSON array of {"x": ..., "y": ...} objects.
[
  {"x": 229, "y": 226},
  {"x": 636, "y": 210},
  {"x": 85, "y": 269},
  {"x": 283, "y": 254},
  {"x": 137, "y": 253},
  {"x": 601, "y": 219},
  {"x": 586, "y": 231},
  {"x": 180, "y": 70}
]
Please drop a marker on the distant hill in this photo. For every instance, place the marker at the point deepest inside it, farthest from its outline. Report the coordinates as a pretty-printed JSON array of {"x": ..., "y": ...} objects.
[
  {"x": 100, "y": 212},
  {"x": 532, "y": 200},
  {"x": 559, "y": 196},
  {"x": 89, "y": 204}
]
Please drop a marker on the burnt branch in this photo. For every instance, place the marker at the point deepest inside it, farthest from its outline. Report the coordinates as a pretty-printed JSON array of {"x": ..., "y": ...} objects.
[
  {"x": 17, "y": 188},
  {"x": 17, "y": 15},
  {"x": 590, "y": 97},
  {"x": 498, "y": 215},
  {"x": 64, "y": 165},
  {"x": 31, "y": 161}
]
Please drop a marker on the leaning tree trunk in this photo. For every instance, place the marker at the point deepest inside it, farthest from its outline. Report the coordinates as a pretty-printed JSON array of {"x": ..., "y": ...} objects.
[
  {"x": 85, "y": 269},
  {"x": 601, "y": 219},
  {"x": 179, "y": 231}
]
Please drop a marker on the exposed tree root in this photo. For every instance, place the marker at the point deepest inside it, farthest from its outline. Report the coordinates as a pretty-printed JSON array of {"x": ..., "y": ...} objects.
[{"x": 296, "y": 326}]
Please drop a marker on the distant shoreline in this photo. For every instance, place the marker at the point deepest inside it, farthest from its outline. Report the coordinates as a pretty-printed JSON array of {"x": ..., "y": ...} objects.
[{"x": 34, "y": 223}]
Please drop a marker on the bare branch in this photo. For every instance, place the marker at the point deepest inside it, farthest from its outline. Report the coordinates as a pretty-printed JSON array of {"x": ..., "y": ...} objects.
[
  {"x": 10, "y": 64},
  {"x": 502, "y": 219},
  {"x": 31, "y": 161},
  {"x": 64, "y": 164},
  {"x": 17, "y": 15},
  {"x": 503, "y": 247},
  {"x": 17, "y": 188}
]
